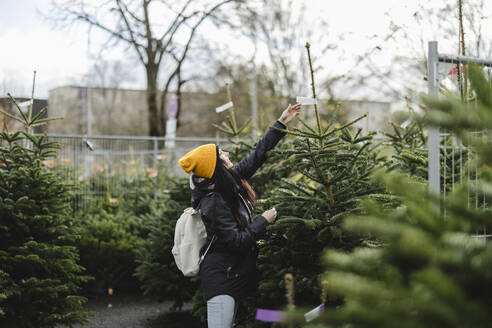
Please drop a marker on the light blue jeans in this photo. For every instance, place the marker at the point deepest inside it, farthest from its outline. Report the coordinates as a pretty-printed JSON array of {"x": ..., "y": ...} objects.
[{"x": 221, "y": 310}]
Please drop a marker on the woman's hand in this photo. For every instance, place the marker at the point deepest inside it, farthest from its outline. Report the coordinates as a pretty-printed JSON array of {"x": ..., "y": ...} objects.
[
  {"x": 289, "y": 114},
  {"x": 270, "y": 215}
]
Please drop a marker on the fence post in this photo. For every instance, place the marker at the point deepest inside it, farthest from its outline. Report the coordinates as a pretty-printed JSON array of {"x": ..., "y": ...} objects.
[{"x": 433, "y": 141}]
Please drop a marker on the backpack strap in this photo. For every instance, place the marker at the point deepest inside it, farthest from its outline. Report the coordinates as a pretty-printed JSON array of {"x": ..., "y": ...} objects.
[{"x": 214, "y": 237}]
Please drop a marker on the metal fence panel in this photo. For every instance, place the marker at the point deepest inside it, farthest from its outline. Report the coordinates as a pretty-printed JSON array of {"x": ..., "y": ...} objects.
[
  {"x": 450, "y": 161},
  {"x": 110, "y": 166}
]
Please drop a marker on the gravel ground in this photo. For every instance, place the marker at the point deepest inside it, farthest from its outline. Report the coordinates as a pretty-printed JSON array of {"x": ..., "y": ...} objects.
[{"x": 126, "y": 312}]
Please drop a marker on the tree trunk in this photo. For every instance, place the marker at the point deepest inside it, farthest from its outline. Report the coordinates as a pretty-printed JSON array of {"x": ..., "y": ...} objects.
[
  {"x": 179, "y": 96},
  {"x": 162, "y": 111},
  {"x": 154, "y": 128}
]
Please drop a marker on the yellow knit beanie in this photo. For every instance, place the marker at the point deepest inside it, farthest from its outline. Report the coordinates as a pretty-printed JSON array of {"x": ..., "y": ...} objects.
[{"x": 201, "y": 161}]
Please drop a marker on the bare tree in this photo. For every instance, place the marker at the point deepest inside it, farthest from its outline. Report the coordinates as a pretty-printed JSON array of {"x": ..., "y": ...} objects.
[
  {"x": 105, "y": 79},
  {"x": 155, "y": 44},
  {"x": 280, "y": 28},
  {"x": 108, "y": 74},
  {"x": 404, "y": 75}
]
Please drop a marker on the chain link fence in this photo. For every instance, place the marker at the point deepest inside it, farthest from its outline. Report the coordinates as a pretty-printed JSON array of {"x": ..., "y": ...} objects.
[
  {"x": 450, "y": 161},
  {"x": 118, "y": 166}
]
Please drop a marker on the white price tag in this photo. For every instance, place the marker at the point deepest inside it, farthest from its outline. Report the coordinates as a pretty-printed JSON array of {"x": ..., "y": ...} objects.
[
  {"x": 406, "y": 123},
  {"x": 223, "y": 107},
  {"x": 89, "y": 144},
  {"x": 25, "y": 103},
  {"x": 306, "y": 100},
  {"x": 314, "y": 313}
]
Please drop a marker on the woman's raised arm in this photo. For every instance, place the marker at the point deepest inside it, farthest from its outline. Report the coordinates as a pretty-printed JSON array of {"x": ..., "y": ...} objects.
[{"x": 251, "y": 163}]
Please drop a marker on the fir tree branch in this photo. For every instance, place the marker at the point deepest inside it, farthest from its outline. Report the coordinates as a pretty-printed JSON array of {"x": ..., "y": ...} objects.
[
  {"x": 318, "y": 121},
  {"x": 321, "y": 176},
  {"x": 332, "y": 119},
  {"x": 12, "y": 116},
  {"x": 311, "y": 135},
  {"x": 294, "y": 133},
  {"x": 41, "y": 112},
  {"x": 18, "y": 108},
  {"x": 307, "y": 126},
  {"x": 351, "y": 166},
  {"x": 344, "y": 126},
  {"x": 223, "y": 129},
  {"x": 44, "y": 120},
  {"x": 244, "y": 126}
]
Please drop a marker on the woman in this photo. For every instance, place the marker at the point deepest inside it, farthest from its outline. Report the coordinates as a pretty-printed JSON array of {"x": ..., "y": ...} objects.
[{"x": 227, "y": 203}]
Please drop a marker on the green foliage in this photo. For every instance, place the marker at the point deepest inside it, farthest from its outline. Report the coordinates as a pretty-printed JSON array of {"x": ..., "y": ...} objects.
[
  {"x": 434, "y": 267},
  {"x": 108, "y": 245},
  {"x": 329, "y": 176},
  {"x": 409, "y": 137},
  {"x": 314, "y": 180},
  {"x": 111, "y": 226},
  {"x": 409, "y": 149},
  {"x": 39, "y": 274},
  {"x": 156, "y": 269},
  {"x": 409, "y": 154},
  {"x": 4, "y": 291},
  {"x": 332, "y": 173},
  {"x": 329, "y": 169}
]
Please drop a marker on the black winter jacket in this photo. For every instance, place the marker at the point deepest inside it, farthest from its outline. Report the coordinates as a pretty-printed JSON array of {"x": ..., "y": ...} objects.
[{"x": 230, "y": 265}]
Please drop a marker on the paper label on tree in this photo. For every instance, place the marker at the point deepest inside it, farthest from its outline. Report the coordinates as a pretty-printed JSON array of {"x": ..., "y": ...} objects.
[
  {"x": 25, "y": 103},
  {"x": 89, "y": 144},
  {"x": 406, "y": 123},
  {"x": 223, "y": 107},
  {"x": 306, "y": 100},
  {"x": 314, "y": 313}
]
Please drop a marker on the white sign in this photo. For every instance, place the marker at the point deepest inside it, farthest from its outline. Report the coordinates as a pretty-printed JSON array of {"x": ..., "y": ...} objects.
[
  {"x": 172, "y": 107},
  {"x": 406, "y": 123},
  {"x": 223, "y": 107},
  {"x": 314, "y": 313},
  {"x": 89, "y": 144},
  {"x": 171, "y": 132},
  {"x": 306, "y": 101},
  {"x": 25, "y": 103}
]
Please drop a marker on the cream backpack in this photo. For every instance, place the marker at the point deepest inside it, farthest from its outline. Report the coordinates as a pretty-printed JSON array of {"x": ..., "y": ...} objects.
[{"x": 189, "y": 238}]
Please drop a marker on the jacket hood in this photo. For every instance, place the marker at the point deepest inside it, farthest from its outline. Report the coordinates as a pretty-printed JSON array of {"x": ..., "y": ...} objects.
[{"x": 199, "y": 188}]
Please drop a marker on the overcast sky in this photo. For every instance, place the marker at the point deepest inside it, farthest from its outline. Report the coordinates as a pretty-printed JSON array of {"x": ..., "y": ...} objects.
[{"x": 61, "y": 57}]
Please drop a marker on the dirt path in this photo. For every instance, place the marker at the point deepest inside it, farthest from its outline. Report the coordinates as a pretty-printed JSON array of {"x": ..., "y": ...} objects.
[{"x": 124, "y": 312}]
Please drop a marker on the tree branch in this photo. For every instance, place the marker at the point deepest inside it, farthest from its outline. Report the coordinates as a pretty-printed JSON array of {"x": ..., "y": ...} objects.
[
  {"x": 130, "y": 31},
  {"x": 193, "y": 29},
  {"x": 83, "y": 16}
]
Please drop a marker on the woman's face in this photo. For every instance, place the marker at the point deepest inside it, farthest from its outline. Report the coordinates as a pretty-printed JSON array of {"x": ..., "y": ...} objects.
[{"x": 224, "y": 156}]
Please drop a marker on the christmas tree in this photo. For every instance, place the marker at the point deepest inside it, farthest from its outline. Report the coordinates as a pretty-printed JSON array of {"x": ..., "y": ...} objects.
[
  {"x": 408, "y": 144},
  {"x": 434, "y": 267},
  {"x": 330, "y": 167},
  {"x": 108, "y": 245},
  {"x": 156, "y": 268},
  {"x": 39, "y": 274},
  {"x": 409, "y": 153}
]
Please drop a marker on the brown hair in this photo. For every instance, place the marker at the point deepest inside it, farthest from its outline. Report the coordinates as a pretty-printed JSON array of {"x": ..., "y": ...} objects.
[
  {"x": 230, "y": 185},
  {"x": 251, "y": 195}
]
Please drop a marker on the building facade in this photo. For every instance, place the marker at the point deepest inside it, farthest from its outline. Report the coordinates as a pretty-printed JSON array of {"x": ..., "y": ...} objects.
[
  {"x": 109, "y": 111},
  {"x": 98, "y": 111},
  {"x": 378, "y": 114}
]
